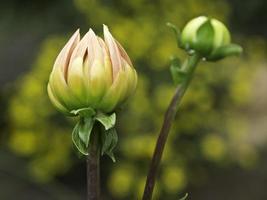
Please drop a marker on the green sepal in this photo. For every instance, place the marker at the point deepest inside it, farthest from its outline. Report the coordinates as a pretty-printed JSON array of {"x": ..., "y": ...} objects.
[
  {"x": 108, "y": 121},
  {"x": 85, "y": 128},
  {"x": 84, "y": 112},
  {"x": 185, "y": 197},
  {"x": 177, "y": 33},
  {"x": 80, "y": 146},
  {"x": 204, "y": 38},
  {"x": 106, "y": 142},
  {"x": 178, "y": 74},
  {"x": 81, "y": 134},
  {"x": 224, "y": 51},
  {"x": 109, "y": 140}
]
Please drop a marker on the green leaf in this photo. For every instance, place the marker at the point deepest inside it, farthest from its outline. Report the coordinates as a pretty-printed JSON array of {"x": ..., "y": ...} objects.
[
  {"x": 185, "y": 197},
  {"x": 84, "y": 112},
  {"x": 176, "y": 32},
  {"x": 224, "y": 51},
  {"x": 205, "y": 37},
  {"x": 114, "y": 137},
  {"x": 178, "y": 75},
  {"x": 85, "y": 128},
  {"x": 81, "y": 147},
  {"x": 109, "y": 142},
  {"x": 106, "y": 142},
  {"x": 111, "y": 155},
  {"x": 108, "y": 121},
  {"x": 176, "y": 62}
]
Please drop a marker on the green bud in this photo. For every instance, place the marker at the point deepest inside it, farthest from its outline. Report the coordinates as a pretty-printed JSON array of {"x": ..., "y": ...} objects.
[
  {"x": 91, "y": 74},
  {"x": 208, "y": 37}
]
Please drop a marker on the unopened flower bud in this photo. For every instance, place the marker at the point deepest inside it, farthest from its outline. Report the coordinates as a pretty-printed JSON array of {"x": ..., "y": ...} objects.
[
  {"x": 91, "y": 73},
  {"x": 208, "y": 37}
]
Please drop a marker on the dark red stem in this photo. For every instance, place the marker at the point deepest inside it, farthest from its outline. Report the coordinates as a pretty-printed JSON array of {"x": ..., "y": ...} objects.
[
  {"x": 93, "y": 172},
  {"x": 189, "y": 66}
]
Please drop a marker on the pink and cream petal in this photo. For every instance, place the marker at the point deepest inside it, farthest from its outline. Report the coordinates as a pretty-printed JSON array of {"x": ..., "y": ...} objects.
[
  {"x": 76, "y": 81},
  {"x": 63, "y": 58},
  {"x": 61, "y": 91},
  {"x": 80, "y": 49},
  {"x": 107, "y": 62},
  {"x": 94, "y": 49},
  {"x": 113, "y": 51},
  {"x": 55, "y": 101},
  {"x": 113, "y": 95},
  {"x": 131, "y": 82},
  {"x": 97, "y": 83},
  {"x": 124, "y": 55}
]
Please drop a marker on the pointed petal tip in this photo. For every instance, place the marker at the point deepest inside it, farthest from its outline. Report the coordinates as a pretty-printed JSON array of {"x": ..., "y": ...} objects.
[
  {"x": 106, "y": 30},
  {"x": 91, "y": 33},
  {"x": 107, "y": 35},
  {"x": 77, "y": 32},
  {"x": 76, "y": 36},
  {"x": 105, "y": 26}
]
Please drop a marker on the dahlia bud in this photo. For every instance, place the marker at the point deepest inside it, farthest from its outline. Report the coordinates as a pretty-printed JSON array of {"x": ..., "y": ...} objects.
[
  {"x": 91, "y": 73},
  {"x": 208, "y": 37}
]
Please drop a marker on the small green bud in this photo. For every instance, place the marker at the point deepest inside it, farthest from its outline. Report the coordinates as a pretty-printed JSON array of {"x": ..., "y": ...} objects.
[{"x": 208, "y": 37}]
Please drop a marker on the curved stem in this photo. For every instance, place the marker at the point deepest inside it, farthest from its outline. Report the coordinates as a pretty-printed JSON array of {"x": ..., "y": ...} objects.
[
  {"x": 93, "y": 165},
  {"x": 189, "y": 66}
]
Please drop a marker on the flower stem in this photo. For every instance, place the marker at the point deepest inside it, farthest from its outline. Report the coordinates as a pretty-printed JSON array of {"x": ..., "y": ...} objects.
[
  {"x": 93, "y": 165},
  {"x": 189, "y": 66}
]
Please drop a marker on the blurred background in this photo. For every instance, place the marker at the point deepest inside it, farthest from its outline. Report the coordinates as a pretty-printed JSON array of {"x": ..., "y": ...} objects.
[{"x": 217, "y": 146}]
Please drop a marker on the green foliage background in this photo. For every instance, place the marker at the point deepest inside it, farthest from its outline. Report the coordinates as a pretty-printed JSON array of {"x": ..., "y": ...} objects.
[{"x": 219, "y": 125}]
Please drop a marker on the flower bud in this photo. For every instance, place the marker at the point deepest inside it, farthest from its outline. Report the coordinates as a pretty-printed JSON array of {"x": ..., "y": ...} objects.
[
  {"x": 205, "y": 36},
  {"x": 91, "y": 73}
]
